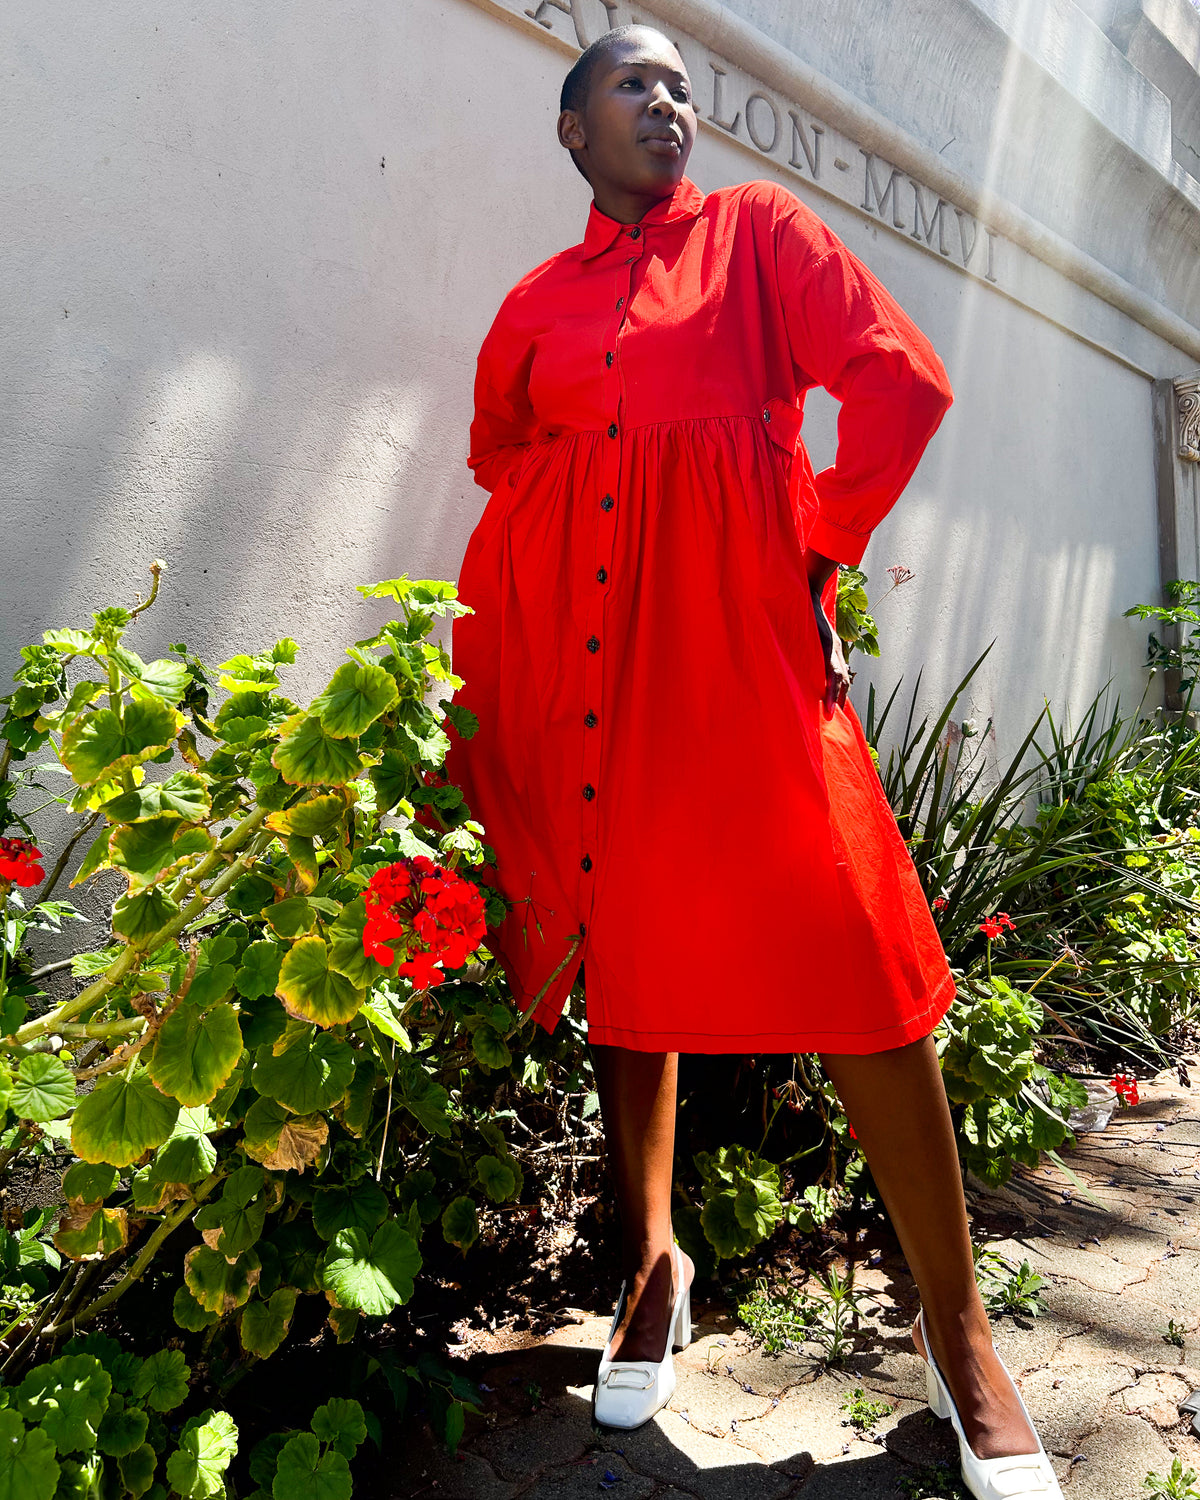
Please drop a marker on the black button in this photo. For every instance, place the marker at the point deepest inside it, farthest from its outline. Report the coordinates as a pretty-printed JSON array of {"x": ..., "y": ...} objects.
[
  {"x": 593, "y": 644},
  {"x": 608, "y": 359},
  {"x": 601, "y": 576},
  {"x": 585, "y": 864},
  {"x": 589, "y": 792},
  {"x": 620, "y": 301},
  {"x": 630, "y": 260},
  {"x": 766, "y": 414},
  {"x": 612, "y": 429},
  {"x": 607, "y": 503},
  {"x": 590, "y": 719},
  {"x": 635, "y": 233}
]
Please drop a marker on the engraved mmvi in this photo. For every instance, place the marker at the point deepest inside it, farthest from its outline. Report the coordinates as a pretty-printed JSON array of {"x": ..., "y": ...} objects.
[{"x": 1187, "y": 410}]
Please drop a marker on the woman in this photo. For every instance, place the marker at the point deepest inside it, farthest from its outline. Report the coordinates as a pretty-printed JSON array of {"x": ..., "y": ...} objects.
[{"x": 648, "y": 579}]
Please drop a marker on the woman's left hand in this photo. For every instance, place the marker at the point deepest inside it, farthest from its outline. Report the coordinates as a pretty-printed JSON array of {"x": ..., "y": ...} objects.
[{"x": 837, "y": 673}]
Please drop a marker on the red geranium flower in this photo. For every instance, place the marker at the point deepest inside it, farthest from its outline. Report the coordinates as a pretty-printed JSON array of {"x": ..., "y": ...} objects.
[
  {"x": 19, "y": 862},
  {"x": 438, "y": 913},
  {"x": 1127, "y": 1088},
  {"x": 994, "y": 927},
  {"x": 940, "y": 903}
]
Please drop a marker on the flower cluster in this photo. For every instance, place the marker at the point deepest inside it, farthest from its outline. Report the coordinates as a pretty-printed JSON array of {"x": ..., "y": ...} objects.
[
  {"x": 438, "y": 913},
  {"x": 940, "y": 903},
  {"x": 19, "y": 862},
  {"x": 994, "y": 927},
  {"x": 1126, "y": 1086}
]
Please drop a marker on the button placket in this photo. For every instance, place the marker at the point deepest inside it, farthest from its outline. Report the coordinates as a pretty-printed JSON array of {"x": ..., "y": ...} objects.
[{"x": 628, "y": 250}]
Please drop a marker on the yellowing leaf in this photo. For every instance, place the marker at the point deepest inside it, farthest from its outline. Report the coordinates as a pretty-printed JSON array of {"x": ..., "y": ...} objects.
[
  {"x": 354, "y": 699},
  {"x": 308, "y": 755},
  {"x": 312, "y": 989}
]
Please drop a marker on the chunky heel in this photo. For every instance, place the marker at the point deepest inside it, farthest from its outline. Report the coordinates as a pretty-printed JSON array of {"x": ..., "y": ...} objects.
[
  {"x": 936, "y": 1405},
  {"x": 681, "y": 1333}
]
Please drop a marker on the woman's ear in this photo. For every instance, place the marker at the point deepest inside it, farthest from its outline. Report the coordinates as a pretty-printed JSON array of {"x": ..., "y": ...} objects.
[{"x": 570, "y": 130}]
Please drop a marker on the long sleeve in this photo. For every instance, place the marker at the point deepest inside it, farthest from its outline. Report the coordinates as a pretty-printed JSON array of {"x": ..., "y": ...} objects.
[
  {"x": 504, "y": 423},
  {"x": 848, "y": 334}
]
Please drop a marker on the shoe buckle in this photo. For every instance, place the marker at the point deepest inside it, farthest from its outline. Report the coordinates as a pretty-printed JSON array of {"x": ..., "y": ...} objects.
[
  {"x": 1030, "y": 1478},
  {"x": 641, "y": 1377}
]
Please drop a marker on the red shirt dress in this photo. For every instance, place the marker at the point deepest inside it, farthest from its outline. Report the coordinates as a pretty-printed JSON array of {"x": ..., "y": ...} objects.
[{"x": 666, "y": 798}]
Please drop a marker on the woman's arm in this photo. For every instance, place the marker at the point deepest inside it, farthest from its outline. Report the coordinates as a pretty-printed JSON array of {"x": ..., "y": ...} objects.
[{"x": 504, "y": 423}]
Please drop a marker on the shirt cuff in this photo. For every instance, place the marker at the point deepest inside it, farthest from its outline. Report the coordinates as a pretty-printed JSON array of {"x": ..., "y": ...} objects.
[{"x": 836, "y": 542}]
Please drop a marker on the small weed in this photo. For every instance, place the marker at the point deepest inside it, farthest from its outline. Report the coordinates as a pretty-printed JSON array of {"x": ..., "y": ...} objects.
[
  {"x": 861, "y": 1412},
  {"x": 1006, "y": 1287},
  {"x": 777, "y": 1322},
  {"x": 940, "y": 1483},
  {"x": 1176, "y": 1334},
  {"x": 787, "y": 1318},
  {"x": 1179, "y": 1484},
  {"x": 534, "y": 1392}
]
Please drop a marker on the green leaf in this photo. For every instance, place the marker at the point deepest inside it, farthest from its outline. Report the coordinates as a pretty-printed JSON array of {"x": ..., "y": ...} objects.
[
  {"x": 308, "y": 755},
  {"x": 463, "y": 720},
  {"x": 303, "y": 1472},
  {"x": 137, "y": 917},
  {"x": 300, "y": 1254},
  {"x": 372, "y": 1275},
  {"x": 144, "y": 850},
  {"x": 310, "y": 1071},
  {"x": 187, "y": 1155},
  {"x": 393, "y": 779},
  {"x": 292, "y": 917},
  {"x": 424, "y": 1099},
  {"x": 29, "y": 1469},
  {"x": 311, "y": 988},
  {"x": 264, "y": 1325},
  {"x": 195, "y": 1051},
  {"x": 162, "y": 1382},
  {"x": 757, "y": 1208},
  {"x": 89, "y": 1229},
  {"x": 259, "y": 973},
  {"x": 185, "y": 795},
  {"x": 100, "y": 744},
  {"x": 216, "y": 1285},
  {"x": 346, "y": 952},
  {"x": 460, "y": 1223},
  {"x": 67, "y": 1398},
  {"x": 122, "y": 1430},
  {"x": 207, "y": 1446},
  {"x": 340, "y": 1422},
  {"x": 354, "y": 699},
  {"x": 311, "y": 819},
  {"x": 121, "y": 1366},
  {"x": 89, "y": 1182},
  {"x": 43, "y": 1089},
  {"x": 121, "y": 1118},
  {"x": 490, "y": 1047},
  {"x": 381, "y": 1013},
  {"x": 188, "y": 1313},
  {"x": 359, "y": 1205},
  {"x": 239, "y": 1213},
  {"x": 137, "y": 1470},
  {"x": 213, "y": 977},
  {"x": 93, "y": 860},
  {"x": 497, "y": 1177}
]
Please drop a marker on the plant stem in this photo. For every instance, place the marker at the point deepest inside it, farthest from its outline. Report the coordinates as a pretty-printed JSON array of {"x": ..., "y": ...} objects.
[
  {"x": 64, "y": 1286},
  {"x": 147, "y": 1253},
  {"x": 64, "y": 858},
  {"x": 63, "y": 963},
  {"x": 128, "y": 958}
]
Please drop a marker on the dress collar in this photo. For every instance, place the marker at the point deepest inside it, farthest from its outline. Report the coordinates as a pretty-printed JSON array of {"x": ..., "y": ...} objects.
[{"x": 684, "y": 203}]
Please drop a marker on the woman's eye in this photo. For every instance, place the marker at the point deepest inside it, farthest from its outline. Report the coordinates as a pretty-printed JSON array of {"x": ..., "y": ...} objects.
[
  {"x": 637, "y": 82},
  {"x": 682, "y": 95}
]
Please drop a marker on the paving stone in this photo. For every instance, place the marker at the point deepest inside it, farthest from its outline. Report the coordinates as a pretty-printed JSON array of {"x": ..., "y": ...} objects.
[
  {"x": 715, "y": 1401},
  {"x": 1173, "y": 1284},
  {"x": 1117, "y": 1458},
  {"x": 426, "y": 1469},
  {"x": 556, "y": 1433},
  {"x": 670, "y": 1450},
  {"x": 766, "y": 1374},
  {"x": 1027, "y": 1343},
  {"x": 875, "y": 1477},
  {"x": 1067, "y": 1406},
  {"x": 1091, "y": 1266},
  {"x": 1127, "y": 1329},
  {"x": 1156, "y": 1397},
  {"x": 807, "y": 1421},
  {"x": 583, "y": 1478}
]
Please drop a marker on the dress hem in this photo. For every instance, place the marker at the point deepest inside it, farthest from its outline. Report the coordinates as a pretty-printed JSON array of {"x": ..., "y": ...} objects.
[{"x": 857, "y": 1043}]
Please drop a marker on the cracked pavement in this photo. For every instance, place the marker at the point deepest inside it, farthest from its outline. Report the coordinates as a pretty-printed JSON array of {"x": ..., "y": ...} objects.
[{"x": 1102, "y": 1383}]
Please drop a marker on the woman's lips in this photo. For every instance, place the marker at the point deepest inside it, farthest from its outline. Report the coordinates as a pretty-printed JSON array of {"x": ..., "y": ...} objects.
[{"x": 661, "y": 145}]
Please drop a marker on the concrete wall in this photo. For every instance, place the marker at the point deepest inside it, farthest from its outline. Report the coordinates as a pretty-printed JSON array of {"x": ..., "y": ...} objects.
[{"x": 247, "y": 255}]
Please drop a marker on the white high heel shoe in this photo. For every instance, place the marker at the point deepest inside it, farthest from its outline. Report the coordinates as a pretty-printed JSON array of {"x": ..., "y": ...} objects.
[
  {"x": 629, "y": 1392},
  {"x": 1016, "y": 1477}
]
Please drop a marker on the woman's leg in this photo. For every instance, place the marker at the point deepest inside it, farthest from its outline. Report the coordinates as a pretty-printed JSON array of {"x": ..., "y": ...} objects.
[
  {"x": 897, "y": 1104},
  {"x": 637, "y": 1101}
]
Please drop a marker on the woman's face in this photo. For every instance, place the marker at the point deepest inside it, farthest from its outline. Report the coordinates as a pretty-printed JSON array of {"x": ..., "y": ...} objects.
[{"x": 637, "y": 128}]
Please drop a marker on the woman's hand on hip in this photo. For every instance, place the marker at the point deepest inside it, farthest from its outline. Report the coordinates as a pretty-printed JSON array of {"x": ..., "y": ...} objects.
[{"x": 837, "y": 673}]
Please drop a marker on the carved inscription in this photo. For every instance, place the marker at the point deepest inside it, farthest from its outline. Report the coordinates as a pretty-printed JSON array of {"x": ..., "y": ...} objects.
[
  {"x": 1187, "y": 410},
  {"x": 777, "y": 128}
]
